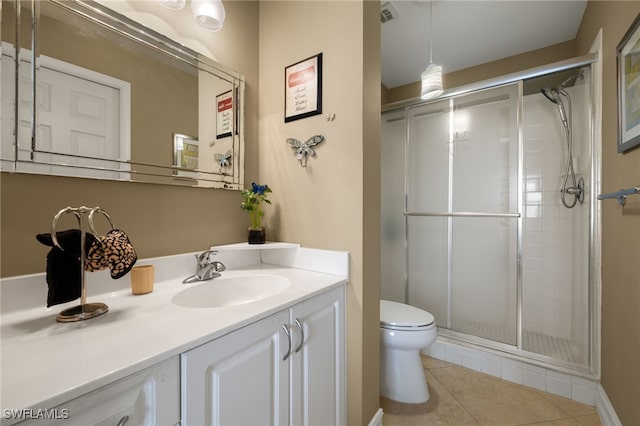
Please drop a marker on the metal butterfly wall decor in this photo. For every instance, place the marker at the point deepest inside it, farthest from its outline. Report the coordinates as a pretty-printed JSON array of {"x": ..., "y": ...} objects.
[
  {"x": 224, "y": 160},
  {"x": 301, "y": 150}
]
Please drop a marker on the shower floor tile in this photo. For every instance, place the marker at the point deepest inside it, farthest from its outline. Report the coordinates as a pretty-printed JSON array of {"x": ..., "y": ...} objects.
[
  {"x": 554, "y": 347},
  {"x": 460, "y": 396}
]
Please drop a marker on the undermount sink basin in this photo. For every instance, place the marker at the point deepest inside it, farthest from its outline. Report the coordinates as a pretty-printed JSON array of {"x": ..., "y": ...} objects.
[{"x": 231, "y": 291}]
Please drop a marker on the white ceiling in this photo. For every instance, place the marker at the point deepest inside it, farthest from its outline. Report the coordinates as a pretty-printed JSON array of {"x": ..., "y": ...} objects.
[{"x": 468, "y": 33}]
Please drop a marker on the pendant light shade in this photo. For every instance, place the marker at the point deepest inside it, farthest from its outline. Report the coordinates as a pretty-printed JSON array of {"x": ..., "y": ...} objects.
[
  {"x": 431, "y": 82},
  {"x": 209, "y": 14},
  {"x": 431, "y": 77}
]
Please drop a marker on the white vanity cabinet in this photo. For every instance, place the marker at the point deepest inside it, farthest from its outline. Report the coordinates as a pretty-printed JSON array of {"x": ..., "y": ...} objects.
[
  {"x": 238, "y": 379},
  {"x": 149, "y": 397},
  {"x": 318, "y": 390},
  {"x": 286, "y": 369}
]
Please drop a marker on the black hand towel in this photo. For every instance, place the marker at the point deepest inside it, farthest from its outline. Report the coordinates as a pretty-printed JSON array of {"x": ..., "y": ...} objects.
[{"x": 63, "y": 266}]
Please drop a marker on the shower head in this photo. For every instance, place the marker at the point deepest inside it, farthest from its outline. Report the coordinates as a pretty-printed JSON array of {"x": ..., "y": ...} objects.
[{"x": 551, "y": 94}]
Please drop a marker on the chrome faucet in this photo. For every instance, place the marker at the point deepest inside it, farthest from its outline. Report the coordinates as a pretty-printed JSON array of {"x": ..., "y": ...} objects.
[{"x": 207, "y": 269}]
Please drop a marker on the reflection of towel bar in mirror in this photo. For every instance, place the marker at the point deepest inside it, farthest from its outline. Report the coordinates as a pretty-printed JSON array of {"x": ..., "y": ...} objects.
[
  {"x": 620, "y": 195},
  {"x": 169, "y": 86}
]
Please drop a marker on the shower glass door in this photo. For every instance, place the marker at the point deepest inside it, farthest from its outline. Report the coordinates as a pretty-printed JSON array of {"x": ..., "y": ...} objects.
[{"x": 462, "y": 211}]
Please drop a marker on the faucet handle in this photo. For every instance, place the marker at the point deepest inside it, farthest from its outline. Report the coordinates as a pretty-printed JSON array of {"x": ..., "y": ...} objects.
[
  {"x": 218, "y": 266},
  {"x": 204, "y": 258}
]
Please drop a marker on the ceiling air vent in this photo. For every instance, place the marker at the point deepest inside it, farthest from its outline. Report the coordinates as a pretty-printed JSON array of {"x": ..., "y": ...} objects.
[{"x": 387, "y": 12}]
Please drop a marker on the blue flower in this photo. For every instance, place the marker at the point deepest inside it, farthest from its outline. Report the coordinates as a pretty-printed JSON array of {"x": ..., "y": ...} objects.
[{"x": 258, "y": 189}]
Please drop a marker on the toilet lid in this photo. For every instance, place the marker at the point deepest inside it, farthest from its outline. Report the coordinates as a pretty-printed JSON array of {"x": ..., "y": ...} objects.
[{"x": 400, "y": 315}]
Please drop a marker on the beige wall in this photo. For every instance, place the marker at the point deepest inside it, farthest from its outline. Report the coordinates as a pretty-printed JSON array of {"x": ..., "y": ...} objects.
[
  {"x": 333, "y": 203},
  {"x": 161, "y": 220},
  {"x": 620, "y": 226}
]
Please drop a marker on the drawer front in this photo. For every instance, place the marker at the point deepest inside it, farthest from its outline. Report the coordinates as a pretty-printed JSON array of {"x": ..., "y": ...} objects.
[{"x": 149, "y": 397}]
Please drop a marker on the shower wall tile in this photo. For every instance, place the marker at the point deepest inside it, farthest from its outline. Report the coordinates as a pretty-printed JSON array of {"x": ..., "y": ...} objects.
[
  {"x": 559, "y": 384},
  {"x": 533, "y": 211},
  {"x": 583, "y": 390},
  {"x": 533, "y": 224},
  {"x": 453, "y": 354},
  {"x": 511, "y": 370},
  {"x": 532, "y": 144},
  {"x": 472, "y": 359},
  {"x": 534, "y": 376},
  {"x": 533, "y": 278},
  {"x": 533, "y": 184}
]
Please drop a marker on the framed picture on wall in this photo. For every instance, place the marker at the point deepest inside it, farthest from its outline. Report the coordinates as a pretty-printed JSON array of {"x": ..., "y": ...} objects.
[
  {"x": 303, "y": 89},
  {"x": 224, "y": 114},
  {"x": 628, "y": 61}
]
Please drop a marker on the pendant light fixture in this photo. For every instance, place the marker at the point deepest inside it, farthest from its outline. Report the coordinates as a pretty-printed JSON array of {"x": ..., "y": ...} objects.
[
  {"x": 209, "y": 14},
  {"x": 431, "y": 77}
]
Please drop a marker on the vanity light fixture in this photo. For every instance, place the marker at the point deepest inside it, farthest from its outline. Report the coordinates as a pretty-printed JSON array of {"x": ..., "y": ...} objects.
[
  {"x": 209, "y": 14},
  {"x": 431, "y": 77}
]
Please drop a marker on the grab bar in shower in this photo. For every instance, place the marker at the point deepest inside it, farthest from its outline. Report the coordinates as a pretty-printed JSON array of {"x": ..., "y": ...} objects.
[{"x": 620, "y": 195}]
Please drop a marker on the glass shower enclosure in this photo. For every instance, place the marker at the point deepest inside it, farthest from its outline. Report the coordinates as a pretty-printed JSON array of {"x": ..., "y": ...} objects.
[{"x": 473, "y": 227}]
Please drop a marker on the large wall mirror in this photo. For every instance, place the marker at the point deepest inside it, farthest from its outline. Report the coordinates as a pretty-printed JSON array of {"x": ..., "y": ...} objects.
[{"x": 91, "y": 93}]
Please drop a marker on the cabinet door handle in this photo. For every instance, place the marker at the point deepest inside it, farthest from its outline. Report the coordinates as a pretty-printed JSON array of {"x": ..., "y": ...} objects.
[
  {"x": 301, "y": 335},
  {"x": 288, "y": 333},
  {"x": 123, "y": 420}
]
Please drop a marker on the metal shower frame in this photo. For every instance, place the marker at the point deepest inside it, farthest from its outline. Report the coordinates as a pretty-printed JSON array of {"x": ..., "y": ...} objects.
[{"x": 591, "y": 369}]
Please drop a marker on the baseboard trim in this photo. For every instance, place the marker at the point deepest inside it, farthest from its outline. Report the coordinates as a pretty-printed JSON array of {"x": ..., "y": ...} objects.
[
  {"x": 605, "y": 410},
  {"x": 377, "y": 419}
]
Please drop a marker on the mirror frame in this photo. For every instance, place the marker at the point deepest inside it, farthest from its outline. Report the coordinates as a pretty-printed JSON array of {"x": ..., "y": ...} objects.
[{"x": 165, "y": 174}]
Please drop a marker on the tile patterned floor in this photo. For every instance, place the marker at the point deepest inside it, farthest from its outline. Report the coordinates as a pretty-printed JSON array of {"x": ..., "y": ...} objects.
[{"x": 460, "y": 397}]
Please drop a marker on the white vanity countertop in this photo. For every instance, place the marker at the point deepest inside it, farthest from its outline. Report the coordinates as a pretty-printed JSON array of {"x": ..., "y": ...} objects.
[{"x": 46, "y": 363}]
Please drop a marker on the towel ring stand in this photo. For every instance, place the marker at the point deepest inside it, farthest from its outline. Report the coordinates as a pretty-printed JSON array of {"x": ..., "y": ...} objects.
[{"x": 84, "y": 215}]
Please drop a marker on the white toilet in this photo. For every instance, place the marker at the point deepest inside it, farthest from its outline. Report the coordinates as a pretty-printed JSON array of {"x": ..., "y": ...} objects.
[{"x": 404, "y": 331}]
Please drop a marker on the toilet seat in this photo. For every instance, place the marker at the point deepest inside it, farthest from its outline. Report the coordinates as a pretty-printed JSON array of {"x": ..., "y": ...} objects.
[{"x": 398, "y": 316}]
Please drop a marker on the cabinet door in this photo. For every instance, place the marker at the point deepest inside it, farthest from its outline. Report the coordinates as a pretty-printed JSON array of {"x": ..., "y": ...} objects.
[
  {"x": 240, "y": 378},
  {"x": 318, "y": 393}
]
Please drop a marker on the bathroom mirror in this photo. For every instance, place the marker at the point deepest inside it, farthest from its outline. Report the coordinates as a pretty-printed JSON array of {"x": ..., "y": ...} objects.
[{"x": 110, "y": 97}]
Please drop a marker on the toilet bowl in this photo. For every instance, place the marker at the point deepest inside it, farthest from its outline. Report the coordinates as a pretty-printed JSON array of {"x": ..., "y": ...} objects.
[{"x": 404, "y": 331}]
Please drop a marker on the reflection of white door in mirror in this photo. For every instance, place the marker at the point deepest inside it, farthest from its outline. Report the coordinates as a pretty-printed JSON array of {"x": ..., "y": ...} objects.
[
  {"x": 83, "y": 120},
  {"x": 85, "y": 114}
]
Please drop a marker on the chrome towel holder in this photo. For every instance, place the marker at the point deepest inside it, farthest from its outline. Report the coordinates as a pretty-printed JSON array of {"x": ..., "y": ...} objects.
[
  {"x": 85, "y": 218},
  {"x": 620, "y": 195}
]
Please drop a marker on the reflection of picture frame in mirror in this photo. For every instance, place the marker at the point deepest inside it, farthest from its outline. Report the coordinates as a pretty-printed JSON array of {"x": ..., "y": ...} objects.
[
  {"x": 224, "y": 115},
  {"x": 628, "y": 61},
  {"x": 185, "y": 155},
  {"x": 303, "y": 89}
]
